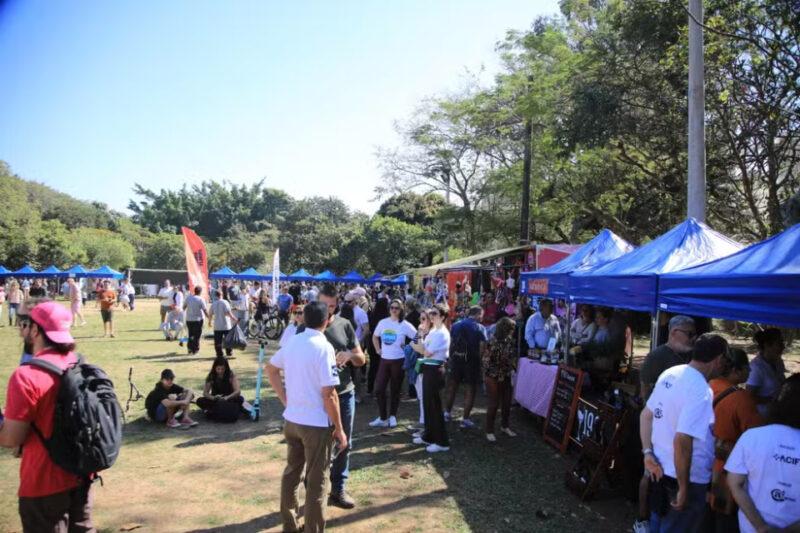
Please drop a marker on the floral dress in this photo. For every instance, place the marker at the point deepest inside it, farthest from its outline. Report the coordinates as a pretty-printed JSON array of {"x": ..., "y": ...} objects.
[{"x": 499, "y": 359}]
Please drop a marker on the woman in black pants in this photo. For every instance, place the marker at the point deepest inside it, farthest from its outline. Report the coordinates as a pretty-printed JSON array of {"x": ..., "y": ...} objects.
[
  {"x": 435, "y": 349},
  {"x": 378, "y": 313},
  {"x": 222, "y": 385}
]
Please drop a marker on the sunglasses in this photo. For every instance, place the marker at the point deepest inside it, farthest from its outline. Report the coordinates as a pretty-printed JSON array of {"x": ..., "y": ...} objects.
[
  {"x": 297, "y": 313},
  {"x": 394, "y": 308},
  {"x": 433, "y": 313},
  {"x": 690, "y": 334}
]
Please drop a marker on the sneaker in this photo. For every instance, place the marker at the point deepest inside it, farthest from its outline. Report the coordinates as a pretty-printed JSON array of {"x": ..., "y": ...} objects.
[
  {"x": 417, "y": 434},
  {"x": 641, "y": 526},
  {"x": 467, "y": 424},
  {"x": 446, "y": 416},
  {"x": 342, "y": 500},
  {"x": 178, "y": 414},
  {"x": 418, "y": 441},
  {"x": 379, "y": 423},
  {"x": 490, "y": 437},
  {"x": 392, "y": 422},
  {"x": 434, "y": 448},
  {"x": 189, "y": 422},
  {"x": 508, "y": 432},
  {"x": 172, "y": 423}
]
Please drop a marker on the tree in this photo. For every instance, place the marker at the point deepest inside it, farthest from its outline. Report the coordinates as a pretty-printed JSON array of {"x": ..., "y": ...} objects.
[
  {"x": 394, "y": 246},
  {"x": 162, "y": 250},
  {"x": 413, "y": 208},
  {"x": 19, "y": 224},
  {"x": 56, "y": 246},
  {"x": 103, "y": 247}
]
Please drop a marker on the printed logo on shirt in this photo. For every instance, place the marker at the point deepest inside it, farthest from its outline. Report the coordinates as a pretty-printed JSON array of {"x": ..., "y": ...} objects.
[
  {"x": 334, "y": 371},
  {"x": 786, "y": 459},
  {"x": 389, "y": 337},
  {"x": 658, "y": 413}
]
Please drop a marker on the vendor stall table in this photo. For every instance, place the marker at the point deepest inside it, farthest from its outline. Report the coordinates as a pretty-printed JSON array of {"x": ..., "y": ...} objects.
[{"x": 535, "y": 385}]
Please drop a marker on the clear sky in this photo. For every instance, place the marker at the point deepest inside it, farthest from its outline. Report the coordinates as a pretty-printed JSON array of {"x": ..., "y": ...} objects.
[{"x": 96, "y": 96}]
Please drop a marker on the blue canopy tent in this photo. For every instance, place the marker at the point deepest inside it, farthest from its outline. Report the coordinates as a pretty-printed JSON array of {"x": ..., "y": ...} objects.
[
  {"x": 104, "y": 271},
  {"x": 76, "y": 272},
  {"x": 631, "y": 281},
  {"x": 26, "y": 271},
  {"x": 51, "y": 272},
  {"x": 301, "y": 275},
  {"x": 251, "y": 274},
  {"x": 222, "y": 273},
  {"x": 553, "y": 281},
  {"x": 375, "y": 278},
  {"x": 352, "y": 277},
  {"x": 758, "y": 284},
  {"x": 402, "y": 279},
  {"x": 4, "y": 271},
  {"x": 325, "y": 276}
]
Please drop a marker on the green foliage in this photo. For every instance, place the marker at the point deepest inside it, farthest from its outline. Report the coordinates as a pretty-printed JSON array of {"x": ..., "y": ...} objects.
[
  {"x": 394, "y": 245},
  {"x": 104, "y": 247},
  {"x": 57, "y": 247},
  {"x": 162, "y": 250},
  {"x": 413, "y": 208}
]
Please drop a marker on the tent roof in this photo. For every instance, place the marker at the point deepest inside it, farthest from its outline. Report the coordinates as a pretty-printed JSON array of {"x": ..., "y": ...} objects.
[
  {"x": 249, "y": 274},
  {"x": 52, "y": 270},
  {"x": 4, "y": 271},
  {"x": 223, "y": 272},
  {"x": 77, "y": 269},
  {"x": 325, "y": 276},
  {"x": 433, "y": 269},
  {"x": 758, "y": 284},
  {"x": 604, "y": 247},
  {"x": 375, "y": 277},
  {"x": 630, "y": 281},
  {"x": 26, "y": 270},
  {"x": 301, "y": 275},
  {"x": 105, "y": 271},
  {"x": 402, "y": 279},
  {"x": 353, "y": 277}
]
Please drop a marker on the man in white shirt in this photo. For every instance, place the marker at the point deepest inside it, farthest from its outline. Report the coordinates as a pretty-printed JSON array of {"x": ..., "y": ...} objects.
[
  {"x": 677, "y": 442},
  {"x": 542, "y": 326},
  {"x": 311, "y": 406},
  {"x": 165, "y": 297},
  {"x": 764, "y": 467}
]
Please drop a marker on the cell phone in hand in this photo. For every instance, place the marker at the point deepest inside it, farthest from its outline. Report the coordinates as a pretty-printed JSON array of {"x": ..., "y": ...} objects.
[{"x": 336, "y": 451}]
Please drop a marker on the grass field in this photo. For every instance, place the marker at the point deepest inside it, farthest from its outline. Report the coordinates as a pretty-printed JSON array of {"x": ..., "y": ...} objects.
[{"x": 226, "y": 477}]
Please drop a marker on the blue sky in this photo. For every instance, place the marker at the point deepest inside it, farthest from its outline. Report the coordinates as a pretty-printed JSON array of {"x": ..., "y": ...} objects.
[{"x": 96, "y": 96}]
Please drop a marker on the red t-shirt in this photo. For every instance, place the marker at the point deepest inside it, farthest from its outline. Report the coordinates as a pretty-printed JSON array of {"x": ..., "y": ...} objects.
[{"x": 31, "y": 397}]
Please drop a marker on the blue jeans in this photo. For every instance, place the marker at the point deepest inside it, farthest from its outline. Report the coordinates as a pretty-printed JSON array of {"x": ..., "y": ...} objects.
[
  {"x": 689, "y": 520},
  {"x": 340, "y": 468}
]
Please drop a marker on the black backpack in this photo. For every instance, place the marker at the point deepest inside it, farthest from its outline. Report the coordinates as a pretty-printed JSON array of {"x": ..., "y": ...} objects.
[{"x": 87, "y": 424}]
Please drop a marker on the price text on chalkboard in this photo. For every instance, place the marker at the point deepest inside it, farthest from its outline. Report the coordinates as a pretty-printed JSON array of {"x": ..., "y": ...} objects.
[
  {"x": 588, "y": 424},
  {"x": 563, "y": 405}
]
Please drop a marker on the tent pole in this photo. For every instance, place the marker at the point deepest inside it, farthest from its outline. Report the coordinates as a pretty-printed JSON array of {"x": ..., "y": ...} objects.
[
  {"x": 566, "y": 343},
  {"x": 654, "y": 329}
]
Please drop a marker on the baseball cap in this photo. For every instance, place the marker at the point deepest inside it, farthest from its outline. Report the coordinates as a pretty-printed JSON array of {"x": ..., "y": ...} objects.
[
  {"x": 167, "y": 374},
  {"x": 55, "y": 320}
]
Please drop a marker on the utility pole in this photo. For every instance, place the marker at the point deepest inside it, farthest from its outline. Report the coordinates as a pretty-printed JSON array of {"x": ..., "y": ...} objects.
[
  {"x": 696, "y": 190},
  {"x": 445, "y": 255}
]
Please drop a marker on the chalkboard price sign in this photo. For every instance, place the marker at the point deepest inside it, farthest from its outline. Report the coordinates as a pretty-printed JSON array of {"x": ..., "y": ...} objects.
[
  {"x": 588, "y": 424},
  {"x": 558, "y": 425}
]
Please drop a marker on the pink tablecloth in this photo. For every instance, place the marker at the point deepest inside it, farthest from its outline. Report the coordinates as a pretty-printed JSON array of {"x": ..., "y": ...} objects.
[{"x": 535, "y": 385}]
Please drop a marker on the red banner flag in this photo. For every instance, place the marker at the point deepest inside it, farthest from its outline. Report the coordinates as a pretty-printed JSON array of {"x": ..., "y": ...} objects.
[{"x": 196, "y": 261}]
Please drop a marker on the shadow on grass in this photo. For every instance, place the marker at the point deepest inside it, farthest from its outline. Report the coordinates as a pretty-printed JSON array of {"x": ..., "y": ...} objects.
[{"x": 274, "y": 519}]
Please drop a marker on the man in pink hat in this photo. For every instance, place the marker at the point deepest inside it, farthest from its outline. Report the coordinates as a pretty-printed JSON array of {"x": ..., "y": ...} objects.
[{"x": 50, "y": 498}]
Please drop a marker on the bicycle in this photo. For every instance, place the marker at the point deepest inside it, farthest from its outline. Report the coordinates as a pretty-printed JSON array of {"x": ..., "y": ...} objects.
[{"x": 270, "y": 326}]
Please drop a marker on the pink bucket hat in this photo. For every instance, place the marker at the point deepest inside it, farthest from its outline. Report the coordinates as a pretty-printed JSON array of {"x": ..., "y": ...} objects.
[{"x": 55, "y": 320}]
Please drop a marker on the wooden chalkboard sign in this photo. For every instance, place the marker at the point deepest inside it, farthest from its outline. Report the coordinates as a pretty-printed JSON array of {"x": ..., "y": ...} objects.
[
  {"x": 560, "y": 416},
  {"x": 588, "y": 424}
]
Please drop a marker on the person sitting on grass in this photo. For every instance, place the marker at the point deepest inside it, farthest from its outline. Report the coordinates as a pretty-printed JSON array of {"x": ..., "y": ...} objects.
[
  {"x": 222, "y": 385},
  {"x": 167, "y": 401},
  {"x": 173, "y": 324}
]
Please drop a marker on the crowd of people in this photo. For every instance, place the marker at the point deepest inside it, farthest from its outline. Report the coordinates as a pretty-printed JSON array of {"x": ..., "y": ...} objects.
[{"x": 720, "y": 433}]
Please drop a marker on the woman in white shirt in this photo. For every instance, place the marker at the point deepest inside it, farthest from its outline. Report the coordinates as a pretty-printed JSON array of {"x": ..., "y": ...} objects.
[
  {"x": 764, "y": 467},
  {"x": 583, "y": 328},
  {"x": 291, "y": 329},
  {"x": 390, "y": 337},
  {"x": 435, "y": 349}
]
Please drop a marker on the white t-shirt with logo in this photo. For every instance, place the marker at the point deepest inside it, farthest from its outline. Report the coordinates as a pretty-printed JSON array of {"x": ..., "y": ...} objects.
[
  {"x": 393, "y": 336},
  {"x": 770, "y": 457},
  {"x": 682, "y": 402},
  {"x": 308, "y": 364}
]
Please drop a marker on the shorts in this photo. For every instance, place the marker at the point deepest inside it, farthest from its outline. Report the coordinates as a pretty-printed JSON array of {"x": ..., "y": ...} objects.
[
  {"x": 76, "y": 306},
  {"x": 161, "y": 413},
  {"x": 465, "y": 370},
  {"x": 107, "y": 315}
]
